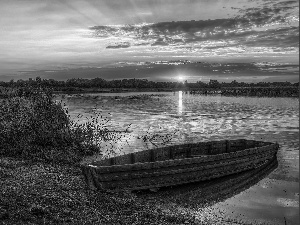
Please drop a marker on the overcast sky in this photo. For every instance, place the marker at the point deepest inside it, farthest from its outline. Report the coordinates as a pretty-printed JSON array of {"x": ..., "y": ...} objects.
[{"x": 245, "y": 40}]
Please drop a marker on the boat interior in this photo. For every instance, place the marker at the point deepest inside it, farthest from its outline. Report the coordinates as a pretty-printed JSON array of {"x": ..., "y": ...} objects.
[{"x": 182, "y": 151}]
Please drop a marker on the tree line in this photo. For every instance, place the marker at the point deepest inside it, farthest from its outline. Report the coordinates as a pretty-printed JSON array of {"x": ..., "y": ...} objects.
[{"x": 134, "y": 83}]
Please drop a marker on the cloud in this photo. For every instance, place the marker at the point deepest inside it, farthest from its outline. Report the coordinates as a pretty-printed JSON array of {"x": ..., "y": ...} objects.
[
  {"x": 119, "y": 45},
  {"x": 286, "y": 4},
  {"x": 46, "y": 34},
  {"x": 266, "y": 27},
  {"x": 277, "y": 67},
  {"x": 160, "y": 41}
]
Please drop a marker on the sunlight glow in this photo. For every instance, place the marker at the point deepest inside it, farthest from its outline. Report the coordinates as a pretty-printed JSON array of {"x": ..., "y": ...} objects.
[{"x": 180, "y": 78}]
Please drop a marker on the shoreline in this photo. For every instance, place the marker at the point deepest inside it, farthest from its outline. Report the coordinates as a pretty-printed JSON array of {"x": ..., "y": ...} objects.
[
  {"x": 228, "y": 92},
  {"x": 289, "y": 92}
]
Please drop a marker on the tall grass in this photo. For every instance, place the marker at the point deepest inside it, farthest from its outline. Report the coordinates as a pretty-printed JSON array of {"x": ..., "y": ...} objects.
[{"x": 34, "y": 126}]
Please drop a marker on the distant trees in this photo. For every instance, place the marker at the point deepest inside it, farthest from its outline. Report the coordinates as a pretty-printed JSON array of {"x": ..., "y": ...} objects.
[
  {"x": 214, "y": 84},
  {"x": 79, "y": 83}
]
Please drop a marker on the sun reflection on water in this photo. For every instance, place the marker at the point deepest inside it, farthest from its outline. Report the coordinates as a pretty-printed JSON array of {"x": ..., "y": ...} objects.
[{"x": 180, "y": 107}]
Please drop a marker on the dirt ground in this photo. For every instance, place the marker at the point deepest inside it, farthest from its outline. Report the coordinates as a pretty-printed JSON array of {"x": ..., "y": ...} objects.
[{"x": 39, "y": 193}]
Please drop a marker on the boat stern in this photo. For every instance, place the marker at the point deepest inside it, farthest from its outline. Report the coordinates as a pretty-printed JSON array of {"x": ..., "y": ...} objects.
[{"x": 89, "y": 176}]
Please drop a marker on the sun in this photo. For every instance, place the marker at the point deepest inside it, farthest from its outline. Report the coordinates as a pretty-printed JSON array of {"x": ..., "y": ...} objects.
[{"x": 180, "y": 78}]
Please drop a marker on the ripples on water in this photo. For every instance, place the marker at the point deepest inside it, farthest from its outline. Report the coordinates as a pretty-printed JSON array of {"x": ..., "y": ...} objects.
[{"x": 193, "y": 118}]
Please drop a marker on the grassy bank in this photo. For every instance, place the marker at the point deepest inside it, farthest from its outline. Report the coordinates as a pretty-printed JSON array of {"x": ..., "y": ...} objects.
[{"x": 42, "y": 193}]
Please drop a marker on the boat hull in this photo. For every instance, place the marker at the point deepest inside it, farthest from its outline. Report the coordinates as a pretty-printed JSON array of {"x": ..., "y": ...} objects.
[{"x": 193, "y": 168}]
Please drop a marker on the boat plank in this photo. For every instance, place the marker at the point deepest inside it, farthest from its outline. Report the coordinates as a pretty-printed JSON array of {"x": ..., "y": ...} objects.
[
  {"x": 178, "y": 164},
  {"x": 190, "y": 176},
  {"x": 174, "y": 170}
]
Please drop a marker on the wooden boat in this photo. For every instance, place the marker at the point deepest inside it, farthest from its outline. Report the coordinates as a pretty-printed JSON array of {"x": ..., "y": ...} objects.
[{"x": 178, "y": 164}]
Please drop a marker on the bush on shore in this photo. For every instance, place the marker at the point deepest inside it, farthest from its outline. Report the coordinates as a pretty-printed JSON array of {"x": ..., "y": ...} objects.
[{"x": 34, "y": 126}]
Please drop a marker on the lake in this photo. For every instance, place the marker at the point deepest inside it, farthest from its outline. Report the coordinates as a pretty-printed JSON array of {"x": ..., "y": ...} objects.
[{"x": 164, "y": 118}]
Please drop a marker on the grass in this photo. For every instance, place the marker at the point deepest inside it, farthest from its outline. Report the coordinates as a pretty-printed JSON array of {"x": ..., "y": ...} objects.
[{"x": 41, "y": 193}]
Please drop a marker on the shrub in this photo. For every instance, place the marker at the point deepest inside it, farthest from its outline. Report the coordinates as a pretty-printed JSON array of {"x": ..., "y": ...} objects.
[{"x": 33, "y": 125}]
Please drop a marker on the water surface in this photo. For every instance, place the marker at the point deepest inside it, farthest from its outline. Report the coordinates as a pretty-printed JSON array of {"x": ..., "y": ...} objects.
[{"x": 170, "y": 118}]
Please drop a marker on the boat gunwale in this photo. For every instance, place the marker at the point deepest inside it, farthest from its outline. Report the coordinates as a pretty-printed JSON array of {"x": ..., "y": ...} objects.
[
  {"x": 237, "y": 162},
  {"x": 183, "y": 161}
]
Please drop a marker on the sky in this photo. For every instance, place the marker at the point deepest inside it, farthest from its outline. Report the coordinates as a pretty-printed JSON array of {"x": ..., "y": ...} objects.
[{"x": 160, "y": 40}]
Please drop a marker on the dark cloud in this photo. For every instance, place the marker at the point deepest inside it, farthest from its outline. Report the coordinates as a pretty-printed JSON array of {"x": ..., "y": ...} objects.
[
  {"x": 104, "y": 31},
  {"x": 286, "y": 3},
  {"x": 119, "y": 45},
  {"x": 277, "y": 67},
  {"x": 260, "y": 16},
  {"x": 242, "y": 30},
  {"x": 246, "y": 18},
  {"x": 170, "y": 29},
  {"x": 142, "y": 44},
  {"x": 279, "y": 38}
]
